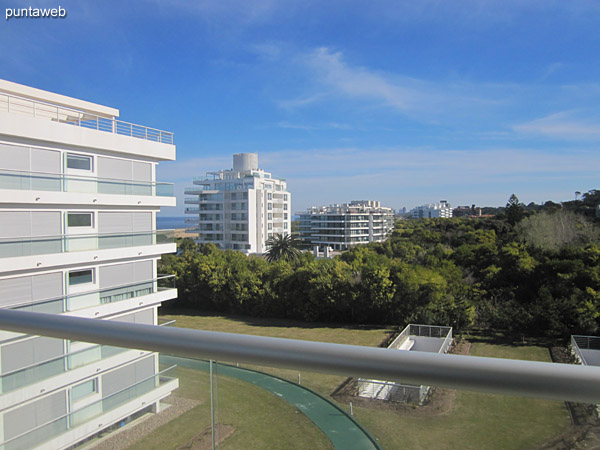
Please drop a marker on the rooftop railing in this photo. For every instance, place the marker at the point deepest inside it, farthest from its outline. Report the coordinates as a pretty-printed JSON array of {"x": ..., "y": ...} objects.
[
  {"x": 62, "y": 114},
  {"x": 505, "y": 376},
  {"x": 40, "y": 181}
]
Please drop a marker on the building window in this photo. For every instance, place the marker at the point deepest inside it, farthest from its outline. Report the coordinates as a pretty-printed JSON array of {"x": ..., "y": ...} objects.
[
  {"x": 270, "y": 216},
  {"x": 269, "y": 196},
  {"x": 285, "y": 216},
  {"x": 285, "y": 225},
  {"x": 81, "y": 277},
  {"x": 270, "y": 235},
  {"x": 269, "y": 206},
  {"x": 79, "y": 162},
  {"x": 79, "y": 219},
  {"x": 269, "y": 226},
  {"x": 285, "y": 206},
  {"x": 84, "y": 389}
]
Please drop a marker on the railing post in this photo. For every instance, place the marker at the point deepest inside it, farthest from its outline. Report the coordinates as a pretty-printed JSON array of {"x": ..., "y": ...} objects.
[{"x": 212, "y": 406}]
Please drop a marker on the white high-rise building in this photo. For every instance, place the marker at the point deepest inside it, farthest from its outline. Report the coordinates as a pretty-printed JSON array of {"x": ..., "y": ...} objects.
[
  {"x": 343, "y": 226},
  {"x": 78, "y": 203},
  {"x": 432, "y": 210},
  {"x": 241, "y": 208}
]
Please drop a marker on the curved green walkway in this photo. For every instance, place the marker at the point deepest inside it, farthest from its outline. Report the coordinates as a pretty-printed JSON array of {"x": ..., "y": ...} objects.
[{"x": 341, "y": 429}]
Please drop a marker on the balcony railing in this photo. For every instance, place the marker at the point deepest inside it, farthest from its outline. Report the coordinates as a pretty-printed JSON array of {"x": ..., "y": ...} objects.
[
  {"x": 75, "y": 302},
  {"x": 39, "y": 181},
  {"x": 26, "y": 376},
  {"x": 43, "y": 245},
  {"x": 33, "y": 438},
  {"x": 35, "y": 108},
  {"x": 505, "y": 376}
]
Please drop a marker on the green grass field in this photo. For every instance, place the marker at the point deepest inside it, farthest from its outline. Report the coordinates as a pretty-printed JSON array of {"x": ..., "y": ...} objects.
[
  {"x": 261, "y": 420},
  {"x": 476, "y": 421}
]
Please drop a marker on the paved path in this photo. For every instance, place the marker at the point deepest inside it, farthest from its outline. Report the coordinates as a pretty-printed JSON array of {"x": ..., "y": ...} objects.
[{"x": 341, "y": 429}]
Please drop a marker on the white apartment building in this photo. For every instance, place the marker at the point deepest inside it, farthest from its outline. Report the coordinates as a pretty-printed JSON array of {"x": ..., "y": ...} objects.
[
  {"x": 432, "y": 210},
  {"x": 78, "y": 204},
  {"x": 343, "y": 226},
  {"x": 241, "y": 208}
]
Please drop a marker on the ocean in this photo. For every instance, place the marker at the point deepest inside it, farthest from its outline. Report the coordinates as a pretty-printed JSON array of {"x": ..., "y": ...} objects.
[{"x": 169, "y": 223}]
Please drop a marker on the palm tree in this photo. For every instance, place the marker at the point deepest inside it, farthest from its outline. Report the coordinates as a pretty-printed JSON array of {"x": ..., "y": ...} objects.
[{"x": 283, "y": 246}]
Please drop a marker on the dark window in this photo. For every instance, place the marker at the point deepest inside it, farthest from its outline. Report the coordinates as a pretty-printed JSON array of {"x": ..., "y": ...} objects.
[
  {"x": 81, "y": 277},
  {"x": 79, "y": 219},
  {"x": 79, "y": 162}
]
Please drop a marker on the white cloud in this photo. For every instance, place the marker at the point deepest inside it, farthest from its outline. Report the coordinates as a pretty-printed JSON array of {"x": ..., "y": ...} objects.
[
  {"x": 331, "y": 77},
  {"x": 358, "y": 81},
  {"x": 566, "y": 125}
]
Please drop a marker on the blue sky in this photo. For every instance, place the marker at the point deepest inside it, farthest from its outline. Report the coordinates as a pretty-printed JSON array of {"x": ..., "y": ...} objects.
[{"x": 406, "y": 102}]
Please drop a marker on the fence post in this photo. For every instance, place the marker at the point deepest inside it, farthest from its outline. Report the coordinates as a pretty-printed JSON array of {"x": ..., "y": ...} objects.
[{"x": 351, "y": 411}]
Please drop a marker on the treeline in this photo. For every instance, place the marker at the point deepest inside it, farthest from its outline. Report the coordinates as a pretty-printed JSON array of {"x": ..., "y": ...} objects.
[{"x": 522, "y": 272}]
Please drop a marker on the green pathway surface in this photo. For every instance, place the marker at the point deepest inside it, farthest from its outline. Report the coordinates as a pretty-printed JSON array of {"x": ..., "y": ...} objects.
[{"x": 341, "y": 429}]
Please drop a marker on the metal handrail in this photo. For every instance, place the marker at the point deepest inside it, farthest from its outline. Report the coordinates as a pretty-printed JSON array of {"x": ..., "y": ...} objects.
[
  {"x": 505, "y": 376},
  {"x": 86, "y": 120}
]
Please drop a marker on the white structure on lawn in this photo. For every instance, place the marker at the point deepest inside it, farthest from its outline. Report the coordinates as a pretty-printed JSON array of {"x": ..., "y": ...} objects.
[
  {"x": 78, "y": 202},
  {"x": 241, "y": 208},
  {"x": 586, "y": 349},
  {"x": 343, "y": 226},
  {"x": 432, "y": 210},
  {"x": 416, "y": 338}
]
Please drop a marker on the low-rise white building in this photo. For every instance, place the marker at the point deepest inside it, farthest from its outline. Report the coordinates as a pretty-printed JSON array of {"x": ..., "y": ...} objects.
[
  {"x": 432, "y": 210},
  {"x": 343, "y": 226},
  {"x": 241, "y": 208}
]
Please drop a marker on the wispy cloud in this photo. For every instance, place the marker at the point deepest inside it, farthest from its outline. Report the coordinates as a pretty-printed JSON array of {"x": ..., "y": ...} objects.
[
  {"x": 333, "y": 77},
  {"x": 323, "y": 126},
  {"x": 551, "y": 69},
  {"x": 358, "y": 81},
  {"x": 565, "y": 125},
  {"x": 299, "y": 102}
]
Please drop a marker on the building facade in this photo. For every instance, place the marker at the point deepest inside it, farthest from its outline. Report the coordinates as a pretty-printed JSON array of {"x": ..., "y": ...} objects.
[
  {"x": 78, "y": 204},
  {"x": 241, "y": 208},
  {"x": 432, "y": 210},
  {"x": 343, "y": 226}
]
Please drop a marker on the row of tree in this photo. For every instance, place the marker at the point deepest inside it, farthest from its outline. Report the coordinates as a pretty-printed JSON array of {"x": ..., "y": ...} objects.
[{"x": 523, "y": 271}]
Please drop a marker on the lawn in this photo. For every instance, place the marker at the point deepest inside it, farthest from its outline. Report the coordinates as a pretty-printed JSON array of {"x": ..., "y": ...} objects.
[
  {"x": 261, "y": 420},
  {"x": 476, "y": 420}
]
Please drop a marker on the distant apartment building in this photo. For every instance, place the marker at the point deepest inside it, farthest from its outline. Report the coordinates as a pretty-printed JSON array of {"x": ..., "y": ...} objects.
[
  {"x": 241, "y": 208},
  {"x": 467, "y": 211},
  {"x": 432, "y": 210},
  {"x": 78, "y": 202},
  {"x": 343, "y": 226}
]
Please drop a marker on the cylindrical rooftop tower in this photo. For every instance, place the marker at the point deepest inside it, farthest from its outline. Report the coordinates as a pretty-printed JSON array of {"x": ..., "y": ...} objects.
[{"x": 245, "y": 161}]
